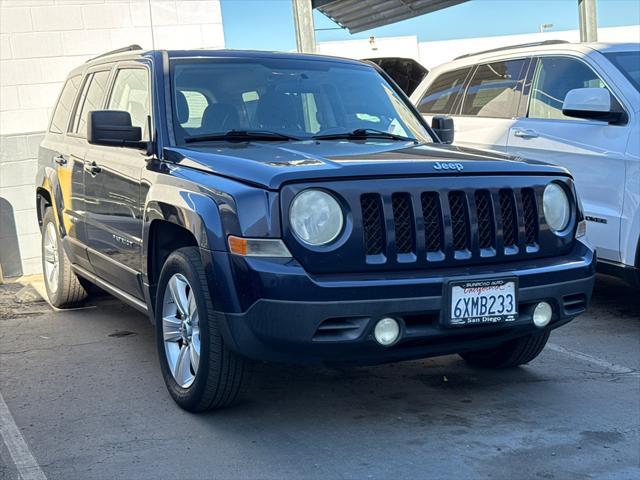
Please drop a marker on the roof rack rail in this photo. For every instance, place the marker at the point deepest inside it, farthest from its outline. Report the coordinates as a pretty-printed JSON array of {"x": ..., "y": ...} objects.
[
  {"x": 511, "y": 47},
  {"x": 129, "y": 48}
]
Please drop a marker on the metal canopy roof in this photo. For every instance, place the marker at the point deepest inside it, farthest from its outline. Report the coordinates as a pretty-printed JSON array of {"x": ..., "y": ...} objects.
[{"x": 360, "y": 15}]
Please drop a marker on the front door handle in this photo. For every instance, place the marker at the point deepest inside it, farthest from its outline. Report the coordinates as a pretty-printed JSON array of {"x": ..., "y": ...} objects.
[
  {"x": 60, "y": 160},
  {"x": 93, "y": 168},
  {"x": 525, "y": 133}
]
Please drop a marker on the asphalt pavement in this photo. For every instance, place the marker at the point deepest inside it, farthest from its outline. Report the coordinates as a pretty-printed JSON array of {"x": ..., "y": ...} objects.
[{"x": 82, "y": 398}]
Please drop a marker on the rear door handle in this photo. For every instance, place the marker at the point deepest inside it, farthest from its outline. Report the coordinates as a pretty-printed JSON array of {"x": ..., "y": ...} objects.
[
  {"x": 93, "y": 168},
  {"x": 60, "y": 160},
  {"x": 525, "y": 133}
]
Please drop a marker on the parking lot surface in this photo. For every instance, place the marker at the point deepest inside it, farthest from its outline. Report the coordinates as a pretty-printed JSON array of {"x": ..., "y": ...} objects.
[{"x": 85, "y": 391}]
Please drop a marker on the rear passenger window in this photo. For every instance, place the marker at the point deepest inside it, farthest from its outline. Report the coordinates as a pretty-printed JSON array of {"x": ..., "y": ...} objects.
[
  {"x": 131, "y": 94},
  {"x": 60, "y": 118},
  {"x": 494, "y": 89},
  {"x": 554, "y": 77},
  {"x": 91, "y": 99},
  {"x": 442, "y": 94}
]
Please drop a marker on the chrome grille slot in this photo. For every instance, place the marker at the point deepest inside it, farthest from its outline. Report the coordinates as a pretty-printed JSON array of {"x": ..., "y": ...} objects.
[
  {"x": 486, "y": 224},
  {"x": 530, "y": 215},
  {"x": 372, "y": 223},
  {"x": 509, "y": 220},
  {"x": 432, "y": 218},
  {"x": 403, "y": 221},
  {"x": 459, "y": 220}
]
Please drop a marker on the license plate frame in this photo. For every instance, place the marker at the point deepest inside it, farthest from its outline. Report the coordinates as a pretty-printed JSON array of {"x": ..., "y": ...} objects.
[{"x": 449, "y": 320}]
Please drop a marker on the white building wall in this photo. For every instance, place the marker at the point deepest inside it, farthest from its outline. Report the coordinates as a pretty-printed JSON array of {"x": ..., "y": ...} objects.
[
  {"x": 406, "y": 46},
  {"x": 431, "y": 54},
  {"x": 40, "y": 42}
]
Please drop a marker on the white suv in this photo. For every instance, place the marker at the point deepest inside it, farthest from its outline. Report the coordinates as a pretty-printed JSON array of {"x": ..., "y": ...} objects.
[{"x": 576, "y": 105}]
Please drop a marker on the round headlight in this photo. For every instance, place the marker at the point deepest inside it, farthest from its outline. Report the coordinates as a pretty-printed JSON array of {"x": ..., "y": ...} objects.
[
  {"x": 557, "y": 210},
  {"x": 316, "y": 217}
]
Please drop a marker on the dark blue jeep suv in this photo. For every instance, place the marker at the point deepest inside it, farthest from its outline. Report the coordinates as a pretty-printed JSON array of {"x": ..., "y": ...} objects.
[{"x": 296, "y": 208}]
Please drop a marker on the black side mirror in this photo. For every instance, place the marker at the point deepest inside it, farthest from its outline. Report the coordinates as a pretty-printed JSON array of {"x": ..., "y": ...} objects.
[
  {"x": 113, "y": 128},
  {"x": 443, "y": 126}
]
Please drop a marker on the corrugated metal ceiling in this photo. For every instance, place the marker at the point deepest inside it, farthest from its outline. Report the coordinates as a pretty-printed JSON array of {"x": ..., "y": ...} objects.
[{"x": 360, "y": 15}]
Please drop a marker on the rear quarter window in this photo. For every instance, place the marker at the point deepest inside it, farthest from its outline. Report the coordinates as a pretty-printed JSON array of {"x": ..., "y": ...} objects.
[
  {"x": 60, "y": 117},
  {"x": 92, "y": 98},
  {"x": 443, "y": 93}
]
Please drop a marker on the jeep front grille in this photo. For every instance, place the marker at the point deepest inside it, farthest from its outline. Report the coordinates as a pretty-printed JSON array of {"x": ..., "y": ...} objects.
[
  {"x": 457, "y": 224},
  {"x": 407, "y": 225}
]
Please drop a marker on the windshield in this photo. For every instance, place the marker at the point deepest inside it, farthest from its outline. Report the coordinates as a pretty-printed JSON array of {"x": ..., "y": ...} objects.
[
  {"x": 299, "y": 99},
  {"x": 629, "y": 64}
]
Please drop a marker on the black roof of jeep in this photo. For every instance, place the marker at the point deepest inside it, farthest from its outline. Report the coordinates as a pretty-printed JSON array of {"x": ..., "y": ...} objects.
[{"x": 133, "y": 52}]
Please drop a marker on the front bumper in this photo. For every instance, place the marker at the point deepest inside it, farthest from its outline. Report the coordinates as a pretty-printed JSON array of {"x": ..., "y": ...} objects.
[{"x": 274, "y": 310}]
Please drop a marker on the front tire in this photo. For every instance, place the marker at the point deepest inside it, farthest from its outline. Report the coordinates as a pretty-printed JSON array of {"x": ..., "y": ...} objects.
[
  {"x": 63, "y": 286},
  {"x": 510, "y": 354},
  {"x": 200, "y": 371}
]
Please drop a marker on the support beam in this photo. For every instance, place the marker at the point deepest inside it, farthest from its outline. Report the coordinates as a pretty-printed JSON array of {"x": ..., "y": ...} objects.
[
  {"x": 588, "y": 21},
  {"x": 303, "y": 20}
]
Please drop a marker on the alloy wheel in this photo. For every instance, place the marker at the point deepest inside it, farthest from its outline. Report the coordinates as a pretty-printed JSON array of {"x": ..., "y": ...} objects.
[
  {"x": 51, "y": 258},
  {"x": 181, "y": 330}
]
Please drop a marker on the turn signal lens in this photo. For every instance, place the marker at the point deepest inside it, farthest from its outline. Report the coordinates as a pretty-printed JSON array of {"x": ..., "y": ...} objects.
[
  {"x": 258, "y": 247},
  {"x": 581, "y": 231}
]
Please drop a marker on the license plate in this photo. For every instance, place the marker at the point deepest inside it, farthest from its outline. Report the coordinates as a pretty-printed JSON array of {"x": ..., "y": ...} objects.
[{"x": 483, "y": 301}]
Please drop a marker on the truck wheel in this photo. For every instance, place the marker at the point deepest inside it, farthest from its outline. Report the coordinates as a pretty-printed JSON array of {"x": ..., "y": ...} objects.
[
  {"x": 200, "y": 372},
  {"x": 63, "y": 286},
  {"x": 510, "y": 354}
]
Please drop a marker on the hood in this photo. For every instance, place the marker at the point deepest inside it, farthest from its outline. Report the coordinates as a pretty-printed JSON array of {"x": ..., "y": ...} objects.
[{"x": 271, "y": 164}]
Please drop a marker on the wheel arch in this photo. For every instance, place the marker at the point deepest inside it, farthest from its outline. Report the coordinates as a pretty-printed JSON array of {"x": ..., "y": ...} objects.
[
  {"x": 175, "y": 218},
  {"x": 43, "y": 201}
]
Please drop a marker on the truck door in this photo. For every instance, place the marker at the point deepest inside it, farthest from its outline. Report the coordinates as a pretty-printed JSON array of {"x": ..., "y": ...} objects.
[
  {"x": 593, "y": 151},
  {"x": 90, "y": 98},
  {"x": 113, "y": 178}
]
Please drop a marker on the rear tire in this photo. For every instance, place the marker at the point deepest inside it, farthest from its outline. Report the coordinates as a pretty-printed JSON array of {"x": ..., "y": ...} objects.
[
  {"x": 510, "y": 354},
  {"x": 214, "y": 376},
  {"x": 63, "y": 286}
]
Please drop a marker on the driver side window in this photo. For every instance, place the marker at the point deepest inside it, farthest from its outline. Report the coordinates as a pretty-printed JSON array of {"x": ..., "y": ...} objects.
[
  {"x": 553, "y": 78},
  {"x": 131, "y": 94}
]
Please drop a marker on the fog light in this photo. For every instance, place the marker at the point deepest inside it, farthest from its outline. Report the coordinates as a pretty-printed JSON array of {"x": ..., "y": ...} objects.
[
  {"x": 542, "y": 314},
  {"x": 387, "y": 331}
]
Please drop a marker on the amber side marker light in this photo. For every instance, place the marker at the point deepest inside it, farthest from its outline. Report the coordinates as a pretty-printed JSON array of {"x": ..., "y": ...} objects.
[{"x": 258, "y": 247}]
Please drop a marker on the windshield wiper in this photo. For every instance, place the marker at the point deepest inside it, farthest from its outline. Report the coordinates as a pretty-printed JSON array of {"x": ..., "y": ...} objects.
[
  {"x": 240, "y": 135},
  {"x": 364, "y": 133}
]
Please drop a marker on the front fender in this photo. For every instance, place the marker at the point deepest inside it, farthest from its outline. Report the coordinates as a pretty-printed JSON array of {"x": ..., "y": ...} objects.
[{"x": 209, "y": 206}]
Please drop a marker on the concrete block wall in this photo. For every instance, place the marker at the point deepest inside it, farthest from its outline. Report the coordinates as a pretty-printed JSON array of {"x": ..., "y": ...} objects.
[{"x": 40, "y": 42}]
